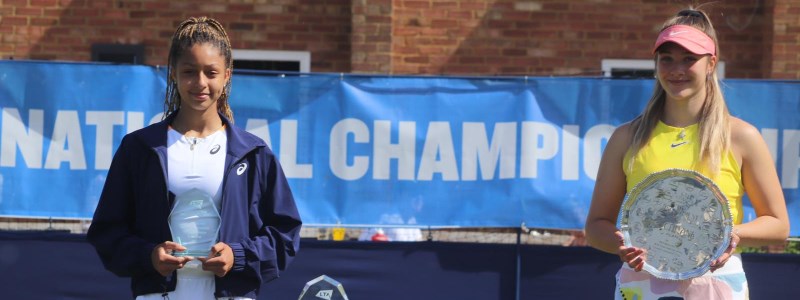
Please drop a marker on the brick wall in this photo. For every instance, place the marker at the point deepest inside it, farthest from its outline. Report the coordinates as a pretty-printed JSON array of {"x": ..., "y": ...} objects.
[
  {"x": 66, "y": 29},
  {"x": 744, "y": 32},
  {"x": 758, "y": 39},
  {"x": 554, "y": 37},
  {"x": 371, "y": 38},
  {"x": 785, "y": 61}
]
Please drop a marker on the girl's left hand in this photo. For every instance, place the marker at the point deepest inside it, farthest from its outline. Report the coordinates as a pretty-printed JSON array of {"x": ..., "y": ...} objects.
[
  {"x": 634, "y": 257},
  {"x": 727, "y": 254},
  {"x": 219, "y": 260}
]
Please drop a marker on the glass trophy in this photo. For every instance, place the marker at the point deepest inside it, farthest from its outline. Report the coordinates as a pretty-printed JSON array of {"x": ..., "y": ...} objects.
[
  {"x": 194, "y": 223},
  {"x": 681, "y": 218},
  {"x": 323, "y": 287}
]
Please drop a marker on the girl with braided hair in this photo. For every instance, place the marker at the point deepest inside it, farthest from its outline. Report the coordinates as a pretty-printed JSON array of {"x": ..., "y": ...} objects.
[{"x": 196, "y": 152}]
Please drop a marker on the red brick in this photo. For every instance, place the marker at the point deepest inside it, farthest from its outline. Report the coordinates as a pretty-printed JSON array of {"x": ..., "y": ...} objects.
[
  {"x": 598, "y": 35},
  {"x": 518, "y": 33},
  {"x": 282, "y": 18},
  {"x": 415, "y": 4},
  {"x": 84, "y": 12},
  {"x": 322, "y": 28},
  {"x": 6, "y": 11},
  {"x": 280, "y": 36},
  {"x": 396, "y": 49},
  {"x": 66, "y": 40},
  {"x": 129, "y": 23},
  {"x": 41, "y": 3},
  {"x": 294, "y": 46},
  {"x": 558, "y": 6},
  {"x": 34, "y": 12},
  {"x": 13, "y": 21},
  {"x": 307, "y": 37},
  {"x": 101, "y": 22},
  {"x": 443, "y": 23},
  {"x": 433, "y": 31},
  {"x": 476, "y": 5},
  {"x": 314, "y": 19},
  {"x": 268, "y": 45},
  {"x": 378, "y": 38},
  {"x": 433, "y": 49},
  {"x": 538, "y": 34},
  {"x": 15, "y": 3},
  {"x": 379, "y": 19},
  {"x": 468, "y": 70},
  {"x": 158, "y": 5},
  {"x": 115, "y": 14},
  {"x": 486, "y": 51},
  {"x": 240, "y": 8},
  {"x": 128, "y": 5},
  {"x": 241, "y": 26},
  {"x": 515, "y": 70},
  {"x": 296, "y": 28},
  {"x": 472, "y": 60},
  {"x": 59, "y": 31},
  {"x": 514, "y": 52},
  {"x": 441, "y": 4},
  {"x": 406, "y": 31},
  {"x": 416, "y": 60}
]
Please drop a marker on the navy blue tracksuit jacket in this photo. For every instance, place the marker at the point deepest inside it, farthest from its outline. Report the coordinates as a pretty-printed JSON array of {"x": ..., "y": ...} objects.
[{"x": 260, "y": 221}]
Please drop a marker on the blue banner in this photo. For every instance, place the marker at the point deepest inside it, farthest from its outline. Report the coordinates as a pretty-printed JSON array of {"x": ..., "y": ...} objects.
[{"x": 364, "y": 150}]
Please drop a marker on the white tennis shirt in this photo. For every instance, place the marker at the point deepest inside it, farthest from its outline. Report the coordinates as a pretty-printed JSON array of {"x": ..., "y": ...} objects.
[{"x": 195, "y": 163}]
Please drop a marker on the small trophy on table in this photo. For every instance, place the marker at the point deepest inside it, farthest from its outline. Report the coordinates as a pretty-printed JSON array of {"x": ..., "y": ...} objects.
[{"x": 323, "y": 287}]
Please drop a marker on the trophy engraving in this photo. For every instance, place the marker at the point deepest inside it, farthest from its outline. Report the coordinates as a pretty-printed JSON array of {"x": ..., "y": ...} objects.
[
  {"x": 681, "y": 218},
  {"x": 194, "y": 223}
]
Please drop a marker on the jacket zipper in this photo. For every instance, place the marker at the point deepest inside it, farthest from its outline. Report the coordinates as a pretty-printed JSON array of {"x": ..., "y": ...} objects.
[
  {"x": 224, "y": 184},
  {"x": 168, "y": 278},
  {"x": 166, "y": 185}
]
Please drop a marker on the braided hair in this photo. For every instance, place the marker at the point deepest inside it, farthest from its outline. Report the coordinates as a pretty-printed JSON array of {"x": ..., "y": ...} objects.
[{"x": 191, "y": 32}]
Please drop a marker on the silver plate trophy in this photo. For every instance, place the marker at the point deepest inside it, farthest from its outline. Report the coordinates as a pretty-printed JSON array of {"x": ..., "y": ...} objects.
[
  {"x": 681, "y": 218},
  {"x": 194, "y": 223},
  {"x": 324, "y": 288}
]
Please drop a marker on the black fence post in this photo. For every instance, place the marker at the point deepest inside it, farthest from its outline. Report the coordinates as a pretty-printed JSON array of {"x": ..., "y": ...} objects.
[{"x": 518, "y": 278}]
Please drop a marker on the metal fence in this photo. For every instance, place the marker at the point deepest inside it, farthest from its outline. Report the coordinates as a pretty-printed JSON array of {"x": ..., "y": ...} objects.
[
  {"x": 521, "y": 235},
  {"x": 389, "y": 233}
]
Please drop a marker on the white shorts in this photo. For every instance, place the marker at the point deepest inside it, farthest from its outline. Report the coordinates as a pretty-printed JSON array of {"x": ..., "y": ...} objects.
[
  {"x": 193, "y": 284},
  {"x": 728, "y": 283}
]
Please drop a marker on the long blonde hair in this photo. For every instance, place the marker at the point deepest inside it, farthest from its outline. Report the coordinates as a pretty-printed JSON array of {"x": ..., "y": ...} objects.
[
  {"x": 714, "y": 124},
  {"x": 190, "y": 32}
]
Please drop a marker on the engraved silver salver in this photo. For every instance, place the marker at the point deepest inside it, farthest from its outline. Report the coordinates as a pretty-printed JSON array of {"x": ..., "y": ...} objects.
[
  {"x": 681, "y": 218},
  {"x": 194, "y": 223}
]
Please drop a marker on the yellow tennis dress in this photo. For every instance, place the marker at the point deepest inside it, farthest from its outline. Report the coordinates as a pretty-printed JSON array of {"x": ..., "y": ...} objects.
[{"x": 678, "y": 148}]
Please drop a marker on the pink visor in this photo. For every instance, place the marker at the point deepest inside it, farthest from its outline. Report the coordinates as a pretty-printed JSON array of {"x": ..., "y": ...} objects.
[{"x": 687, "y": 37}]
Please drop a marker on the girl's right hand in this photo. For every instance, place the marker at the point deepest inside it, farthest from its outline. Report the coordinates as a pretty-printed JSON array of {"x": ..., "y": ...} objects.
[
  {"x": 632, "y": 256},
  {"x": 164, "y": 262}
]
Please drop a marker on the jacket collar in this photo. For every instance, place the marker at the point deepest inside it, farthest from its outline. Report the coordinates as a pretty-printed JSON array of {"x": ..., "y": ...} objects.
[{"x": 239, "y": 141}]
